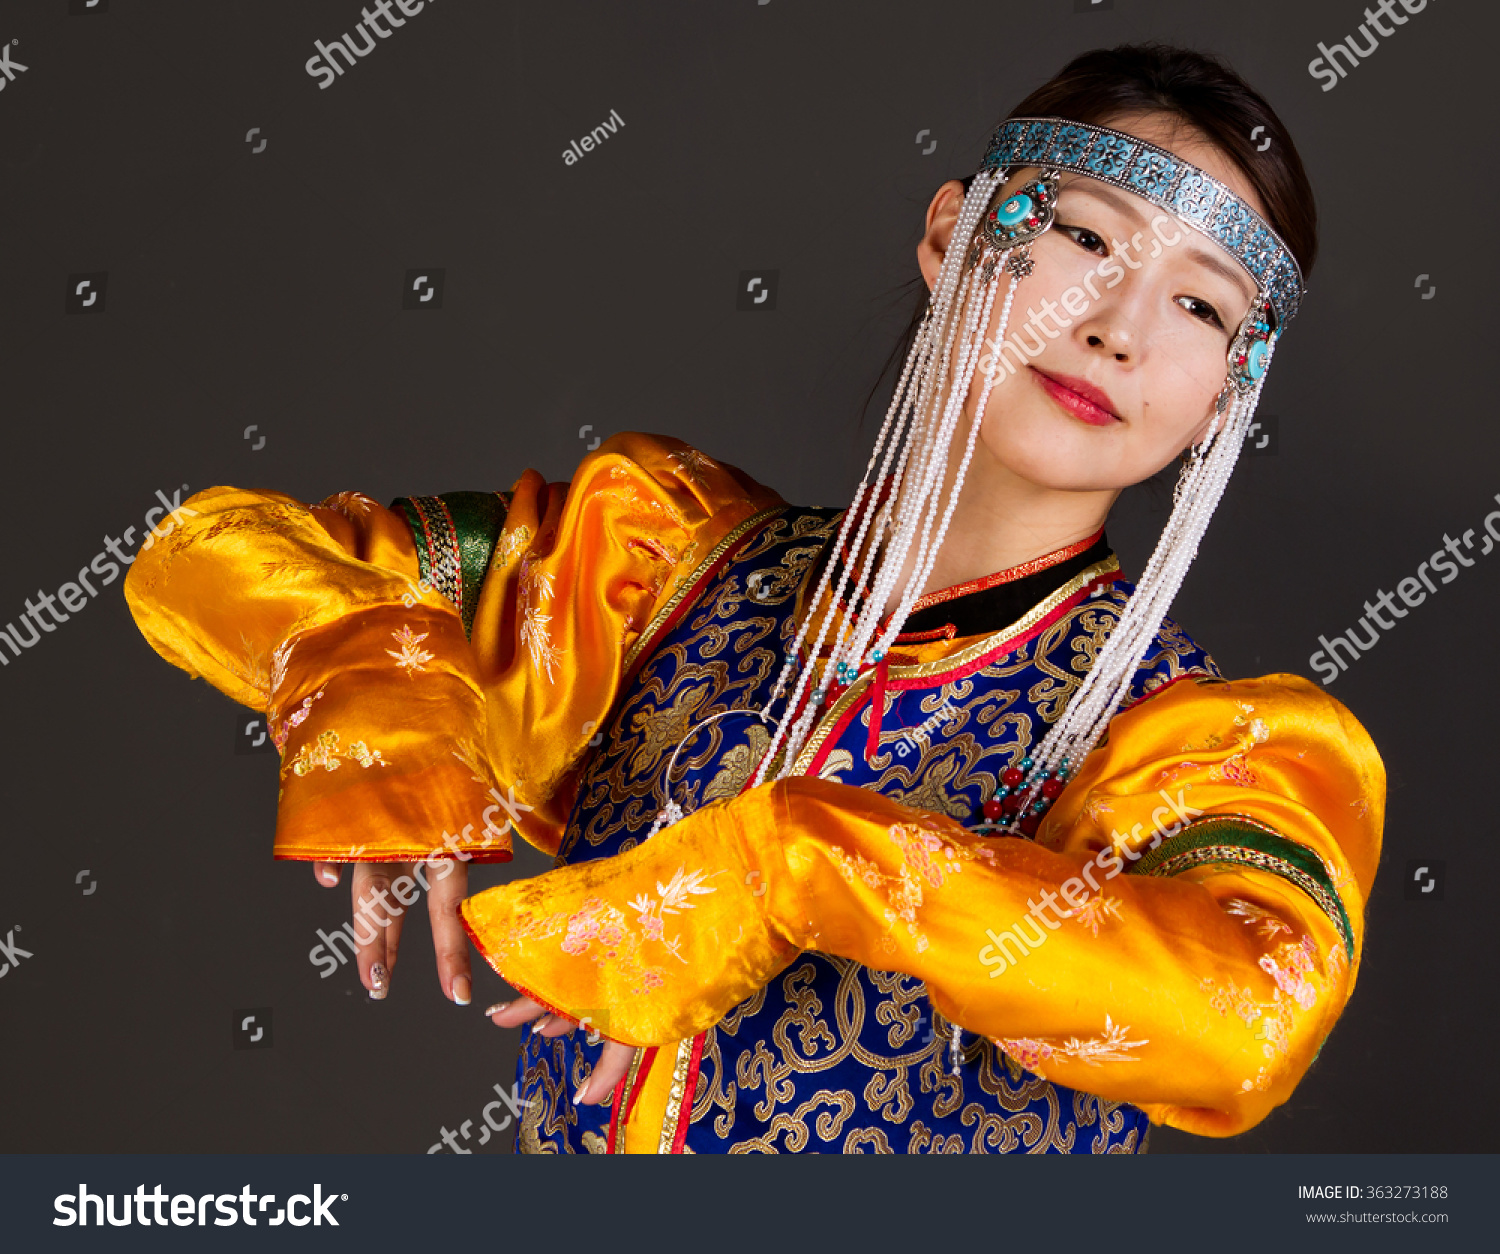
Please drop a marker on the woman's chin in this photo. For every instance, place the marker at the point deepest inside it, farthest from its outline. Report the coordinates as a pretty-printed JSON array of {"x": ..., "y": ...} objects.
[{"x": 1057, "y": 457}]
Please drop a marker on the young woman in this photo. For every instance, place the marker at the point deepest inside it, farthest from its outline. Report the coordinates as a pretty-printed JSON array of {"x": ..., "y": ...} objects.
[{"x": 904, "y": 827}]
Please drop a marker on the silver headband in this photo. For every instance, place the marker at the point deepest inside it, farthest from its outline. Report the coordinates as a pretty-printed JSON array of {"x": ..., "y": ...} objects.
[{"x": 1167, "y": 181}]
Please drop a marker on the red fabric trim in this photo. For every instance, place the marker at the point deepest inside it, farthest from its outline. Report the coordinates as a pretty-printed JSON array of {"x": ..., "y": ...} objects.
[
  {"x": 877, "y": 705},
  {"x": 623, "y": 1105},
  {"x": 946, "y": 632},
  {"x": 497, "y": 855},
  {"x": 1010, "y": 575},
  {"x": 1157, "y": 691}
]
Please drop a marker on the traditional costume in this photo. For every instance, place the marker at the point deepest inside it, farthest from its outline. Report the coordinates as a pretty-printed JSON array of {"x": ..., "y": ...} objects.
[{"x": 1028, "y": 873}]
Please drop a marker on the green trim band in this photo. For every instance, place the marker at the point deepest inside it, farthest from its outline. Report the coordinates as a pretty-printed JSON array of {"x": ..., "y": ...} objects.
[
  {"x": 456, "y": 534},
  {"x": 1235, "y": 840}
]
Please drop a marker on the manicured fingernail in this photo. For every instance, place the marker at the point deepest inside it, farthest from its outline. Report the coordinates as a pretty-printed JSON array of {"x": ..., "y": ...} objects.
[
  {"x": 330, "y": 876},
  {"x": 582, "y": 1089},
  {"x": 380, "y": 982},
  {"x": 497, "y": 1008},
  {"x": 460, "y": 990},
  {"x": 538, "y": 1024}
]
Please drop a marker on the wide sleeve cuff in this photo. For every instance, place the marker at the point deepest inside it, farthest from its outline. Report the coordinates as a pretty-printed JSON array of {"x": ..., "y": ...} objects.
[
  {"x": 655, "y": 944},
  {"x": 385, "y": 695}
]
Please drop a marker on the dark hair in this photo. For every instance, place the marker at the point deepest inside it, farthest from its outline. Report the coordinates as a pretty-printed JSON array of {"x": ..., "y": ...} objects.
[{"x": 1203, "y": 92}]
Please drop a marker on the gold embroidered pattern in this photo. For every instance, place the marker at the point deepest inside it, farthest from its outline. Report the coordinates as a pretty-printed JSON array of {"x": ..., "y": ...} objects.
[
  {"x": 512, "y": 544},
  {"x": 324, "y": 752}
]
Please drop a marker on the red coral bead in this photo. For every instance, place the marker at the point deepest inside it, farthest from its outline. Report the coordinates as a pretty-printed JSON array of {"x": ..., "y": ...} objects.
[
  {"x": 1011, "y": 777},
  {"x": 1011, "y": 805},
  {"x": 1030, "y": 823},
  {"x": 992, "y": 809},
  {"x": 1052, "y": 788}
]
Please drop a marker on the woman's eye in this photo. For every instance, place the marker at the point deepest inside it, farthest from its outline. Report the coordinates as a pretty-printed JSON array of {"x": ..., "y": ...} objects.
[
  {"x": 1085, "y": 239},
  {"x": 1201, "y": 309}
]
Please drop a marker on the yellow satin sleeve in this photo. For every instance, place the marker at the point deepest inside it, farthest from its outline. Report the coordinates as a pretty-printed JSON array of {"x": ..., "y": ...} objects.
[
  {"x": 400, "y": 736},
  {"x": 1182, "y": 935}
]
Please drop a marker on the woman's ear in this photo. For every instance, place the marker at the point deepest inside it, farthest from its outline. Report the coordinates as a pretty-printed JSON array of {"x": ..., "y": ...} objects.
[{"x": 942, "y": 215}]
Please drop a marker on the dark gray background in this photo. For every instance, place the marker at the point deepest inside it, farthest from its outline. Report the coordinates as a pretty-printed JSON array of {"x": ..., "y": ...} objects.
[{"x": 264, "y": 289}]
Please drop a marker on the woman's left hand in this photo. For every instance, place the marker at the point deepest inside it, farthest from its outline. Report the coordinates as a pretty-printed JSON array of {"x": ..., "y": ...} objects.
[{"x": 613, "y": 1063}]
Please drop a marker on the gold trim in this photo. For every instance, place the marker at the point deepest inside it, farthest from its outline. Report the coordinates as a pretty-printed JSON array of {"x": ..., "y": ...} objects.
[
  {"x": 635, "y": 1066},
  {"x": 682, "y": 588},
  {"x": 922, "y": 670},
  {"x": 675, "y": 1096}
]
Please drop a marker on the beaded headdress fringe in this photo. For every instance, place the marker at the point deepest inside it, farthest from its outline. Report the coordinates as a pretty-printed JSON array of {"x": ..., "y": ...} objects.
[{"x": 925, "y": 410}]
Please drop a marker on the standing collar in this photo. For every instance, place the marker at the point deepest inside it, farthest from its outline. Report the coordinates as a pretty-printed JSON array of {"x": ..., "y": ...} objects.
[{"x": 990, "y": 602}]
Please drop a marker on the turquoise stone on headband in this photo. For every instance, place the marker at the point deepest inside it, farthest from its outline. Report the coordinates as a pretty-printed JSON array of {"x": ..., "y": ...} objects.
[
  {"x": 1161, "y": 177},
  {"x": 1014, "y": 210}
]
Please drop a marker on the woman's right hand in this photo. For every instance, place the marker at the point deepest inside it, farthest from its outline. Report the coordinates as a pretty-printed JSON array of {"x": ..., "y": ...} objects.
[
  {"x": 378, "y": 910},
  {"x": 614, "y": 1062}
]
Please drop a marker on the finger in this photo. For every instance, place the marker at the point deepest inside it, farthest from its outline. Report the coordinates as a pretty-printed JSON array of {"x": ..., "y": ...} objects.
[
  {"x": 555, "y": 1025},
  {"x": 393, "y": 939},
  {"x": 512, "y": 1014},
  {"x": 612, "y": 1067},
  {"x": 326, "y": 873},
  {"x": 450, "y": 943},
  {"x": 370, "y": 886},
  {"x": 397, "y": 913}
]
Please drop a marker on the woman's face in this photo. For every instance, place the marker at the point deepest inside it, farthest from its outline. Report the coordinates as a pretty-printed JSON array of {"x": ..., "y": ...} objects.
[{"x": 1133, "y": 313}]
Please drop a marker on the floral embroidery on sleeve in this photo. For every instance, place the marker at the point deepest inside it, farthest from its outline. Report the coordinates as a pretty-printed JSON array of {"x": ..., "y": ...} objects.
[
  {"x": 606, "y": 934},
  {"x": 512, "y": 544},
  {"x": 410, "y": 657},
  {"x": 1093, "y": 911},
  {"x": 692, "y": 463},
  {"x": 352, "y": 505},
  {"x": 280, "y": 732},
  {"x": 279, "y": 659},
  {"x": 919, "y": 843},
  {"x": 324, "y": 752},
  {"x": 1034, "y": 1052},
  {"x": 536, "y": 585}
]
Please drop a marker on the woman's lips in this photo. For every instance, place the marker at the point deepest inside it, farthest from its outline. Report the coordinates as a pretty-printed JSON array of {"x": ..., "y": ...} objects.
[{"x": 1079, "y": 397}]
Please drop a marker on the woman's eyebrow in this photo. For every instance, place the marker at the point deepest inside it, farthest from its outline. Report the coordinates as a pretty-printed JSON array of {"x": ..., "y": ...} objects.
[{"x": 1123, "y": 203}]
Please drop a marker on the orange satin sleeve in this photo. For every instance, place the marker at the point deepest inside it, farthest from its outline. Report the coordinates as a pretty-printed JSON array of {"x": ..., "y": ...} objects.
[
  {"x": 1191, "y": 963},
  {"x": 400, "y": 736}
]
